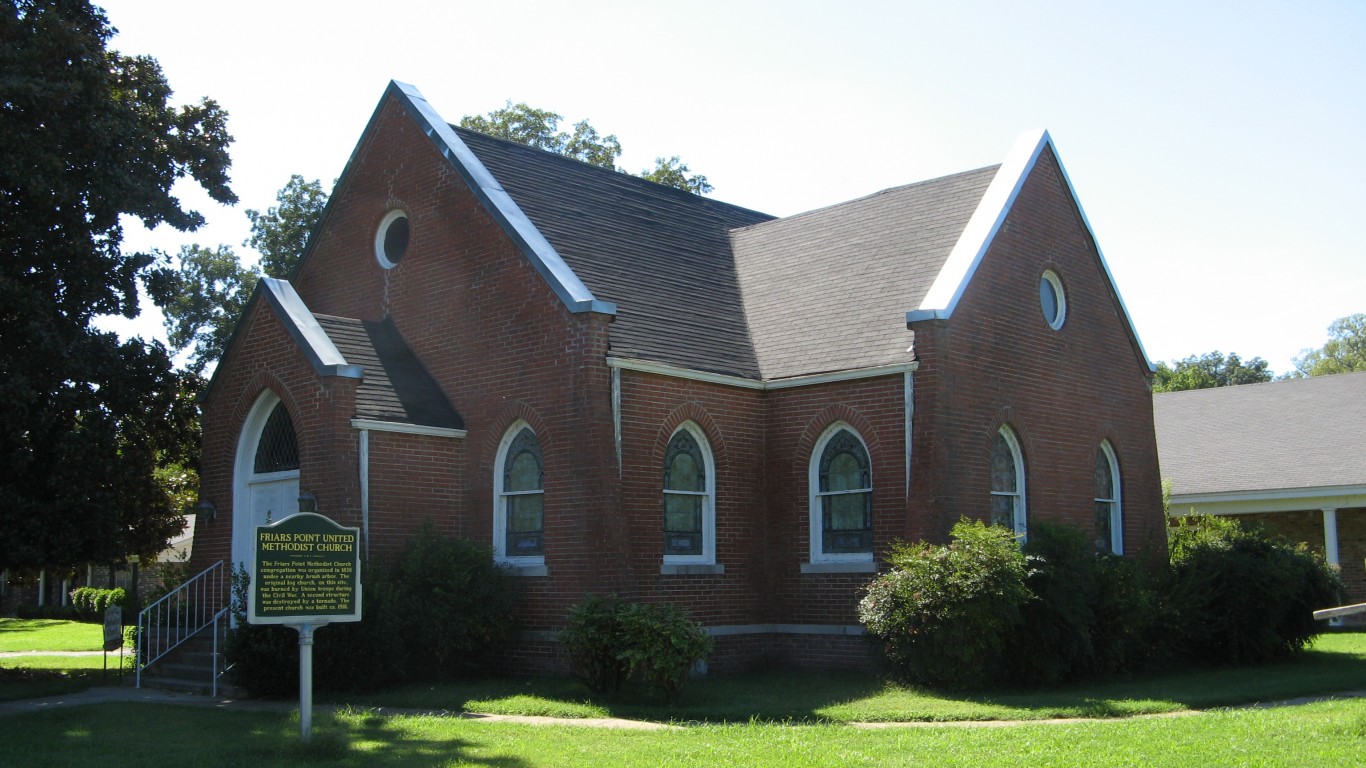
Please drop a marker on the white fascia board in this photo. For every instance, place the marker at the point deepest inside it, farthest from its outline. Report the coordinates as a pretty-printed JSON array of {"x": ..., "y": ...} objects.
[
  {"x": 1272, "y": 500},
  {"x": 972, "y": 245},
  {"x": 375, "y": 425},
  {"x": 538, "y": 250},
  {"x": 676, "y": 372},
  {"x": 327, "y": 360}
]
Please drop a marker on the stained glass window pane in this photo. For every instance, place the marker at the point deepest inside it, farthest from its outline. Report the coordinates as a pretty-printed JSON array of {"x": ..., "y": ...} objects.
[
  {"x": 1048, "y": 298},
  {"x": 1104, "y": 537},
  {"x": 685, "y": 474},
  {"x": 522, "y": 471},
  {"x": 278, "y": 448},
  {"x": 844, "y": 464},
  {"x": 525, "y": 524},
  {"x": 682, "y": 524},
  {"x": 1003, "y": 511},
  {"x": 847, "y": 525},
  {"x": 1105, "y": 488},
  {"x": 1002, "y": 466}
]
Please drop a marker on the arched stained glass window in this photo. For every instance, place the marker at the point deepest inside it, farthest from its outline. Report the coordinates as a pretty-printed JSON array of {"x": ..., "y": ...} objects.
[
  {"x": 1109, "y": 515},
  {"x": 522, "y": 496},
  {"x": 845, "y": 494},
  {"x": 686, "y": 499},
  {"x": 1007, "y": 482},
  {"x": 278, "y": 448}
]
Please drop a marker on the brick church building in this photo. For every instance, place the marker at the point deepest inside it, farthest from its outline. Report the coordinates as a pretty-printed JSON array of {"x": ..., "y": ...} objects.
[{"x": 626, "y": 388}]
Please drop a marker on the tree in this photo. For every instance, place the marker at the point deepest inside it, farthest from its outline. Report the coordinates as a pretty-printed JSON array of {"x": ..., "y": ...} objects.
[
  {"x": 1209, "y": 370},
  {"x": 281, "y": 233},
  {"x": 1344, "y": 352},
  {"x": 539, "y": 128},
  {"x": 673, "y": 172},
  {"x": 205, "y": 290},
  {"x": 85, "y": 418}
]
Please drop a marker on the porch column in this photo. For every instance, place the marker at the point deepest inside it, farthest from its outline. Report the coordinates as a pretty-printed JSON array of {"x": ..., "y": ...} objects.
[{"x": 1330, "y": 536}]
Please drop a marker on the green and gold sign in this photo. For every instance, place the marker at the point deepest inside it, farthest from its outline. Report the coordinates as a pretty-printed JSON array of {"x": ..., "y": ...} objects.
[{"x": 307, "y": 572}]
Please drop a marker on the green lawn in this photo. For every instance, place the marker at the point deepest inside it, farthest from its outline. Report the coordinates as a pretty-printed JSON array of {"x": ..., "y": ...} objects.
[
  {"x": 1323, "y": 734},
  {"x": 49, "y": 635},
  {"x": 1337, "y": 662}
]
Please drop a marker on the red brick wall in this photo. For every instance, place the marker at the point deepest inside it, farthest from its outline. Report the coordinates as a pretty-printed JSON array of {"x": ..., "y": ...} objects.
[{"x": 996, "y": 361}]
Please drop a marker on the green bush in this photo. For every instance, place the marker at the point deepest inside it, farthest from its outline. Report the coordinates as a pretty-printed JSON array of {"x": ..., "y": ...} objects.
[
  {"x": 1241, "y": 596},
  {"x": 1053, "y": 641},
  {"x": 609, "y": 640},
  {"x": 436, "y": 614},
  {"x": 454, "y": 605},
  {"x": 595, "y": 640},
  {"x": 943, "y": 613},
  {"x": 90, "y": 603}
]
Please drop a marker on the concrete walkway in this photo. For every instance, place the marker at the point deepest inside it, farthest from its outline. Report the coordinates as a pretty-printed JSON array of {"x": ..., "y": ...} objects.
[{"x": 126, "y": 694}]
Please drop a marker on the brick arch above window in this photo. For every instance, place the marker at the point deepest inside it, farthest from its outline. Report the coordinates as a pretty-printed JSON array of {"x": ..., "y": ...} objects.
[
  {"x": 696, "y": 413},
  {"x": 818, "y": 424},
  {"x": 508, "y": 414}
]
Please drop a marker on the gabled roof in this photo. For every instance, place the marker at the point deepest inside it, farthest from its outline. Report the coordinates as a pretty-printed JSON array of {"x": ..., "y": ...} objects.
[
  {"x": 700, "y": 285},
  {"x": 1293, "y": 435},
  {"x": 828, "y": 290}
]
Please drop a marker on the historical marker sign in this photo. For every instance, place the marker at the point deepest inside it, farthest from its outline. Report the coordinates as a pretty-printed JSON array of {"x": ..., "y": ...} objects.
[{"x": 307, "y": 572}]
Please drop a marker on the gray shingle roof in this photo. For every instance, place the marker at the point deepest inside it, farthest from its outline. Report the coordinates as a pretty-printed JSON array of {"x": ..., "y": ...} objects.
[
  {"x": 660, "y": 254},
  {"x": 1301, "y": 433},
  {"x": 709, "y": 286},
  {"x": 828, "y": 290},
  {"x": 395, "y": 386}
]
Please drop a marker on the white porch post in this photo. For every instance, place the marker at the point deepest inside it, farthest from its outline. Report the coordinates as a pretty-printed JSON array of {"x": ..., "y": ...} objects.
[{"x": 1330, "y": 536}]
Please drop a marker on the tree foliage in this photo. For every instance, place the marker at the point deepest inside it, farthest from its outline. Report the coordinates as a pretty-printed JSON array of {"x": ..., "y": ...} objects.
[
  {"x": 1344, "y": 352},
  {"x": 1209, "y": 370},
  {"x": 204, "y": 291},
  {"x": 539, "y": 128},
  {"x": 89, "y": 136}
]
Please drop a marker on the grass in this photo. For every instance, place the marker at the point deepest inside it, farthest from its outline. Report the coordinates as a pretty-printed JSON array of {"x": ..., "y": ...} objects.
[
  {"x": 1329, "y": 733},
  {"x": 49, "y": 635},
  {"x": 1337, "y": 662}
]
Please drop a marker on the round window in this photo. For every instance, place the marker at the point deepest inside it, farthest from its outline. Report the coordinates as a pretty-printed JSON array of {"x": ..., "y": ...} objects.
[
  {"x": 391, "y": 239},
  {"x": 1052, "y": 299}
]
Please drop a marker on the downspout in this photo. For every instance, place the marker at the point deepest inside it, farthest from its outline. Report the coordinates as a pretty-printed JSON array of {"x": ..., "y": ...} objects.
[
  {"x": 365, "y": 489},
  {"x": 616, "y": 413},
  {"x": 909, "y": 415}
]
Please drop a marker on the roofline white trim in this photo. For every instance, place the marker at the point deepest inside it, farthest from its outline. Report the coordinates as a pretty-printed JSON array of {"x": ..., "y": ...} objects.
[
  {"x": 1271, "y": 500},
  {"x": 948, "y": 287},
  {"x": 664, "y": 369},
  {"x": 399, "y": 427},
  {"x": 538, "y": 250},
  {"x": 313, "y": 341}
]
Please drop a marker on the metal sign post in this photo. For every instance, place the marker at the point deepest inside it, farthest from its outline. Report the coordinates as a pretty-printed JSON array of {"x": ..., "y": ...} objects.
[{"x": 307, "y": 575}]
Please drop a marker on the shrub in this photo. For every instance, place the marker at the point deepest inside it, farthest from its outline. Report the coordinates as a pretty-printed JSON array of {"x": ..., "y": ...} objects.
[
  {"x": 663, "y": 645},
  {"x": 435, "y": 615},
  {"x": 90, "y": 603},
  {"x": 609, "y": 640},
  {"x": 943, "y": 613},
  {"x": 454, "y": 605},
  {"x": 1241, "y": 596},
  {"x": 1053, "y": 641},
  {"x": 595, "y": 640}
]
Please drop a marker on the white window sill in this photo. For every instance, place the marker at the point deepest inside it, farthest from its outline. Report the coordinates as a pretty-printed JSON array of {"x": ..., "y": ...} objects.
[
  {"x": 860, "y": 566},
  {"x": 526, "y": 570},
  {"x": 691, "y": 569}
]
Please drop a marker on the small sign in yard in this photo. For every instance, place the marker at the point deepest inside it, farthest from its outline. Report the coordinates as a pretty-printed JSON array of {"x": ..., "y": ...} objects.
[{"x": 113, "y": 628}]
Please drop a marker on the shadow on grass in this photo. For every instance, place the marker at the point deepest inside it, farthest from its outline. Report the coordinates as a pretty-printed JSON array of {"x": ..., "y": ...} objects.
[{"x": 208, "y": 738}]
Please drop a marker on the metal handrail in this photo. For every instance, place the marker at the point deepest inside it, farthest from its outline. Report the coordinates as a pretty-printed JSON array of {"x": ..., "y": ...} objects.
[{"x": 201, "y": 602}]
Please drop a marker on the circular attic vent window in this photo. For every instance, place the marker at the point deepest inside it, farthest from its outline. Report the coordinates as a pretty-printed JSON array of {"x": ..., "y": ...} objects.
[
  {"x": 391, "y": 239},
  {"x": 1052, "y": 299}
]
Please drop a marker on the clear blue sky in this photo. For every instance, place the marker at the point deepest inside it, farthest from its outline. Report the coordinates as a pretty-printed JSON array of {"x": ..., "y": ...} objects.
[{"x": 1218, "y": 148}]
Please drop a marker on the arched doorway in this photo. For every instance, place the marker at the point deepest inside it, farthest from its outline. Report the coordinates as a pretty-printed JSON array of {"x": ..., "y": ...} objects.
[{"x": 266, "y": 474}]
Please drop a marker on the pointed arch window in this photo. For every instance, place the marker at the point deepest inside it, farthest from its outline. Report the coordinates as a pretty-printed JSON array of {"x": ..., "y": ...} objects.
[
  {"x": 1008, "y": 482},
  {"x": 519, "y": 480},
  {"x": 1109, "y": 512},
  {"x": 841, "y": 497},
  {"x": 277, "y": 450},
  {"x": 689, "y": 498}
]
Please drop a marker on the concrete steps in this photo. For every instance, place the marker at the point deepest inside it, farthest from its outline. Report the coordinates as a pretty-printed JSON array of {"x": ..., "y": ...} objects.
[{"x": 189, "y": 668}]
